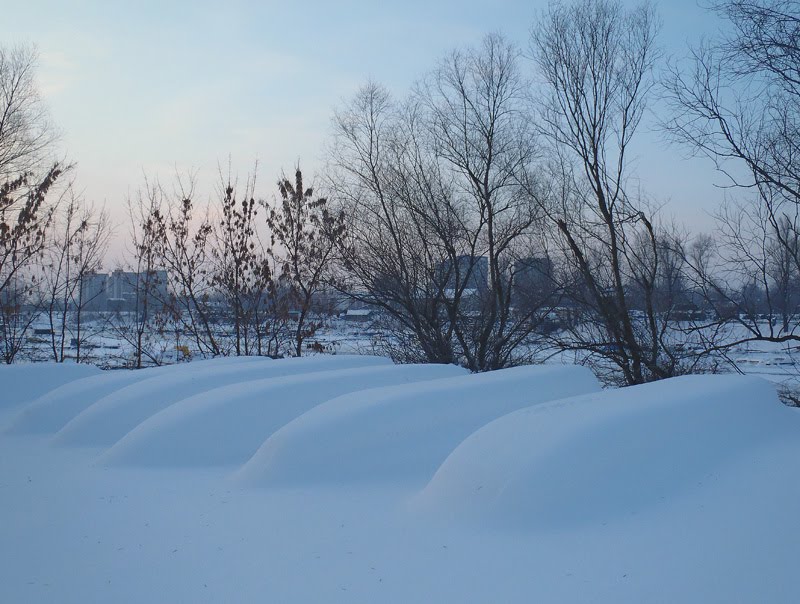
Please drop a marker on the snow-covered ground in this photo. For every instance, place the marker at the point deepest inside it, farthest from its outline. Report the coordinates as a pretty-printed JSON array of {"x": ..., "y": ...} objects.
[
  {"x": 776, "y": 362},
  {"x": 348, "y": 479}
]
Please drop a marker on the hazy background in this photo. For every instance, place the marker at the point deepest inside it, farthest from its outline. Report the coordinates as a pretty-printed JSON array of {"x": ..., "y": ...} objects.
[{"x": 148, "y": 87}]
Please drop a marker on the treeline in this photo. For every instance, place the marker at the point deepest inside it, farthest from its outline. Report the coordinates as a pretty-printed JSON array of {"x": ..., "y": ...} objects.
[{"x": 491, "y": 215}]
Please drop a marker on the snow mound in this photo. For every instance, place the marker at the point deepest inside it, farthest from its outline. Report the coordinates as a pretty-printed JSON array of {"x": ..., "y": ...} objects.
[
  {"x": 606, "y": 456},
  {"x": 114, "y": 415},
  {"x": 560, "y": 501},
  {"x": 227, "y": 425},
  {"x": 402, "y": 434},
  {"x": 51, "y": 411},
  {"x": 25, "y": 382}
]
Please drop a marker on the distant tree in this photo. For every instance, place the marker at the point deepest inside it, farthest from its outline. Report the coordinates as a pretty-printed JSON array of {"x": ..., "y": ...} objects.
[
  {"x": 474, "y": 107},
  {"x": 241, "y": 271},
  {"x": 25, "y": 139},
  {"x": 750, "y": 277},
  {"x": 388, "y": 259},
  {"x": 26, "y": 133},
  {"x": 184, "y": 244},
  {"x": 16, "y": 315},
  {"x": 24, "y": 218},
  {"x": 738, "y": 102},
  {"x": 305, "y": 235},
  {"x": 595, "y": 59},
  {"x": 273, "y": 318},
  {"x": 27, "y": 176},
  {"x": 143, "y": 319},
  {"x": 75, "y": 250},
  {"x": 783, "y": 250},
  {"x": 438, "y": 222}
]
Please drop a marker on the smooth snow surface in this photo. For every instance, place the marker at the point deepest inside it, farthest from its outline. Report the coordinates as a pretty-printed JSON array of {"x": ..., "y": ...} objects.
[
  {"x": 22, "y": 383},
  {"x": 114, "y": 415},
  {"x": 49, "y": 412},
  {"x": 227, "y": 425},
  {"x": 600, "y": 457},
  {"x": 393, "y": 484},
  {"x": 402, "y": 433}
]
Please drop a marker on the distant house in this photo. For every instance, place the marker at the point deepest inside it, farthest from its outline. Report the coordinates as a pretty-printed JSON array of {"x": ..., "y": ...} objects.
[
  {"x": 38, "y": 336},
  {"x": 359, "y": 315}
]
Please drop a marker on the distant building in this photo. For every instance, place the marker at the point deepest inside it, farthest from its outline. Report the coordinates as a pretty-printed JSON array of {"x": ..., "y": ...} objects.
[
  {"x": 94, "y": 296},
  {"x": 533, "y": 280},
  {"x": 127, "y": 290},
  {"x": 467, "y": 273},
  {"x": 123, "y": 289},
  {"x": 359, "y": 315},
  {"x": 533, "y": 271}
]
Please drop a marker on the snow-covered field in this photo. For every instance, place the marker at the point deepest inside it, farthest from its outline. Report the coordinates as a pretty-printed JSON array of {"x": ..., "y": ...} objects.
[
  {"x": 349, "y": 479},
  {"x": 775, "y": 362}
]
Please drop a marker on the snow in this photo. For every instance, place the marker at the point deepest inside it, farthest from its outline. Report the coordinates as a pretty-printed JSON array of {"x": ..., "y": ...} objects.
[
  {"x": 594, "y": 458},
  {"x": 227, "y": 425},
  {"x": 402, "y": 433},
  {"x": 114, "y": 415},
  {"x": 455, "y": 487},
  {"x": 51, "y": 411},
  {"x": 22, "y": 383}
]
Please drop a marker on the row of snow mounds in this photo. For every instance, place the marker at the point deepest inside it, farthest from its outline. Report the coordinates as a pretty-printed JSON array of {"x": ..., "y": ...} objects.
[
  {"x": 227, "y": 425},
  {"x": 52, "y": 410},
  {"x": 117, "y": 413},
  {"x": 401, "y": 434},
  {"x": 599, "y": 458},
  {"x": 24, "y": 382}
]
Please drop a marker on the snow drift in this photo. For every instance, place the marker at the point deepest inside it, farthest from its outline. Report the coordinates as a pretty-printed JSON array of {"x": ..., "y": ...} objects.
[
  {"x": 402, "y": 433},
  {"x": 51, "y": 411},
  {"x": 444, "y": 490},
  {"x": 22, "y": 383},
  {"x": 600, "y": 457},
  {"x": 227, "y": 425},
  {"x": 114, "y": 415}
]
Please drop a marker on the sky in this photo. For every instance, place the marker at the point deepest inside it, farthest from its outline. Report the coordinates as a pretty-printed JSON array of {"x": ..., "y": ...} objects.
[{"x": 148, "y": 88}]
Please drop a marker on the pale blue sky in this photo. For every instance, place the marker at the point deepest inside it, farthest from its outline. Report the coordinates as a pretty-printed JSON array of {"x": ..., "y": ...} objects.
[{"x": 146, "y": 86}]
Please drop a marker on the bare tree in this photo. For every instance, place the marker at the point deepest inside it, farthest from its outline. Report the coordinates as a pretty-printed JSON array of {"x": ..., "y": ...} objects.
[
  {"x": 18, "y": 310},
  {"x": 89, "y": 251},
  {"x": 750, "y": 278},
  {"x": 389, "y": 259},
  {"x": 739, "y": 98},
  {"x": 25, "y": 138},
  {"x": 738, "y": 102},
  {"x": 437, "y": 221},
  {"x": 783, "y": 251},
  {"x": 306, "y": 234},
  {"x": 185, "y": 253},
  {"x": 137, "y": 296},
  {"x": 273, "y": 318},
  {"x": 26, "y": 179},
  {"x": 79, "y": 238},
  {"x": 479, "y": 130},
  {"x": 595, "y": 59},
  {"x": 57, "y": 282},
  {"x": 26, "y": 134},
  {"x": 241, "y": 272},
  {"x": 25, "y": 216},
  {"x": 144, "y": 236}
]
